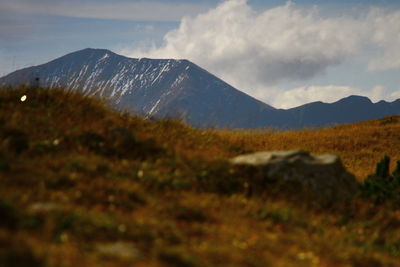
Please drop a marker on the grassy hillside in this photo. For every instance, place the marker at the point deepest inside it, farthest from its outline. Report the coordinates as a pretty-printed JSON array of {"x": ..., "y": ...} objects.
[
  {"x": 359, "y": 145},
  {"x": 81, "y": 185}
]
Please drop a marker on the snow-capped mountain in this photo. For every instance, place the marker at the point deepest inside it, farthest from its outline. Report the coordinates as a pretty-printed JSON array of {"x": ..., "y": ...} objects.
[
  {"x": 179, "y": 88},
  {"x": 151, "y": 87}
]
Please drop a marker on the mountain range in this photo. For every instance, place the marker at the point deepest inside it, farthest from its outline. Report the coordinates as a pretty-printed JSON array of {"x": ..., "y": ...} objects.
[{"x": 181, "y": 89}]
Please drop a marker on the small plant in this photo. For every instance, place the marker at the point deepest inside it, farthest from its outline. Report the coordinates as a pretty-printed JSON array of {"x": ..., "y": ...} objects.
[
  {"x": 389, "y": 120},
  {"x": 382, "y": 186},
  {"x": 382, "y": 168},
  {"x": 16, "y": 254},
  {"x": 189, "y": 214},
  {"x": 177, "y": 257},
  {"x": 15, "y": 140},
  {"x": 93, "y": 141},
  {"x": 4, "y": 164},
  {"x": 8, "y": 215}
]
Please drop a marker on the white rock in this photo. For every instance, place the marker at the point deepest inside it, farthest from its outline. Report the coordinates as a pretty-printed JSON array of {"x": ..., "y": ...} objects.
[
  {"x": 122, "y": 250},
  {"x": 319, "y": 177}
]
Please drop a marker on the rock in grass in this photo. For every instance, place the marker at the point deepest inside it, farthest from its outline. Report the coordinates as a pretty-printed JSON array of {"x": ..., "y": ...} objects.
[
  {"x": 121, "y": 250},
  {"x": 321, "y": 178}
]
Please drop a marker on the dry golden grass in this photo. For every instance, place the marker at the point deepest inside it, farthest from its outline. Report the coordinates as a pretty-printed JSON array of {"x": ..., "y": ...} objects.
[
  {"x": 359, "y": 145},
  {"x": 81, "y": 185}
]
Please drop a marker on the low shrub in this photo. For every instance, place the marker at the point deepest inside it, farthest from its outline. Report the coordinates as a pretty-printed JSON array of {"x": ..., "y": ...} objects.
[{"x": 383, "y": 186}]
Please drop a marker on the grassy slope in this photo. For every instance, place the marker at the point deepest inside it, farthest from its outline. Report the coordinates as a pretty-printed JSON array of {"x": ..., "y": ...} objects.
[
  {"x": 82, "y": 185},
  {"x": 359, "y": 145}
]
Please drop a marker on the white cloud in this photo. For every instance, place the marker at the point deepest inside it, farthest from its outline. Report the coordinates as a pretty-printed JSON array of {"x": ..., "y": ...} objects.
[
  {"x": 395, "y": 95},
  {"x": 331, "y": 93},
  {"x": 238, "y": 43},
  {"x": 378, "y": 93},
  {"x": 385, "y": 29},
  {"x": 257, "y": 51},
  {"x": 298, "y": 96}
]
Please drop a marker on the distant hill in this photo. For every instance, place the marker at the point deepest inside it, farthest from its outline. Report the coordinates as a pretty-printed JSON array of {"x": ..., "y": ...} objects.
[
  {"x": 179, "y": 88},
  {"x": 347, "y": 110}
]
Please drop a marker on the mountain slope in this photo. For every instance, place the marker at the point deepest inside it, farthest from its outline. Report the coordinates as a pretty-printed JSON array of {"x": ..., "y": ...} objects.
[
  {"x": 178, "y": 88},
  {"x": 346, "y": 110},
  {"x": 151, "y": 87}
]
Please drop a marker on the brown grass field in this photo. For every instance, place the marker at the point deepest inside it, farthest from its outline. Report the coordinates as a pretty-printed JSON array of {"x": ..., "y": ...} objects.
[{"x": 82, "y": 185}]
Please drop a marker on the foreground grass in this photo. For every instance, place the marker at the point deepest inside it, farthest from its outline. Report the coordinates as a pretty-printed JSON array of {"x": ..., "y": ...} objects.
[{"x": 86, "y": 186}]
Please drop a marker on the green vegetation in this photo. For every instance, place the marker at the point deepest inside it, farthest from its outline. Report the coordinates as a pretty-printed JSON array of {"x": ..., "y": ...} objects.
[
  {"x": 82, "y": 185},
  {"x": 381, "y": 186}
]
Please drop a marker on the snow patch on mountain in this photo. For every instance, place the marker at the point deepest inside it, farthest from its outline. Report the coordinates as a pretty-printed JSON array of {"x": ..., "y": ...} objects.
[{"x": 150, "y": 87}]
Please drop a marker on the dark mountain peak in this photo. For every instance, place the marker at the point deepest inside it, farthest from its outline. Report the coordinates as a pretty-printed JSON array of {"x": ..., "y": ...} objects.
[
  {"x": 89, "y": 52},
  {"x": 311, "y": 104},
  {"x": 92, "y": 53},
  {"x": 187, "y": 62},
  {"x": 150, "y": 87},
  {"x": 96, "y": 50},
  {"x": 382, "y": 102},
  {"x": 354, "y": 99}
]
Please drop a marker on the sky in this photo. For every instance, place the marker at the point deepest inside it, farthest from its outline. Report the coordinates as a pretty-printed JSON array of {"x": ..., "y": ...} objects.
[{"x": 285, "y": 53}]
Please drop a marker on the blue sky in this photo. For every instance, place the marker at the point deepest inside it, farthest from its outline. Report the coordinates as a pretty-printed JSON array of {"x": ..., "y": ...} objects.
[{"x": 284, "y": 53}]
